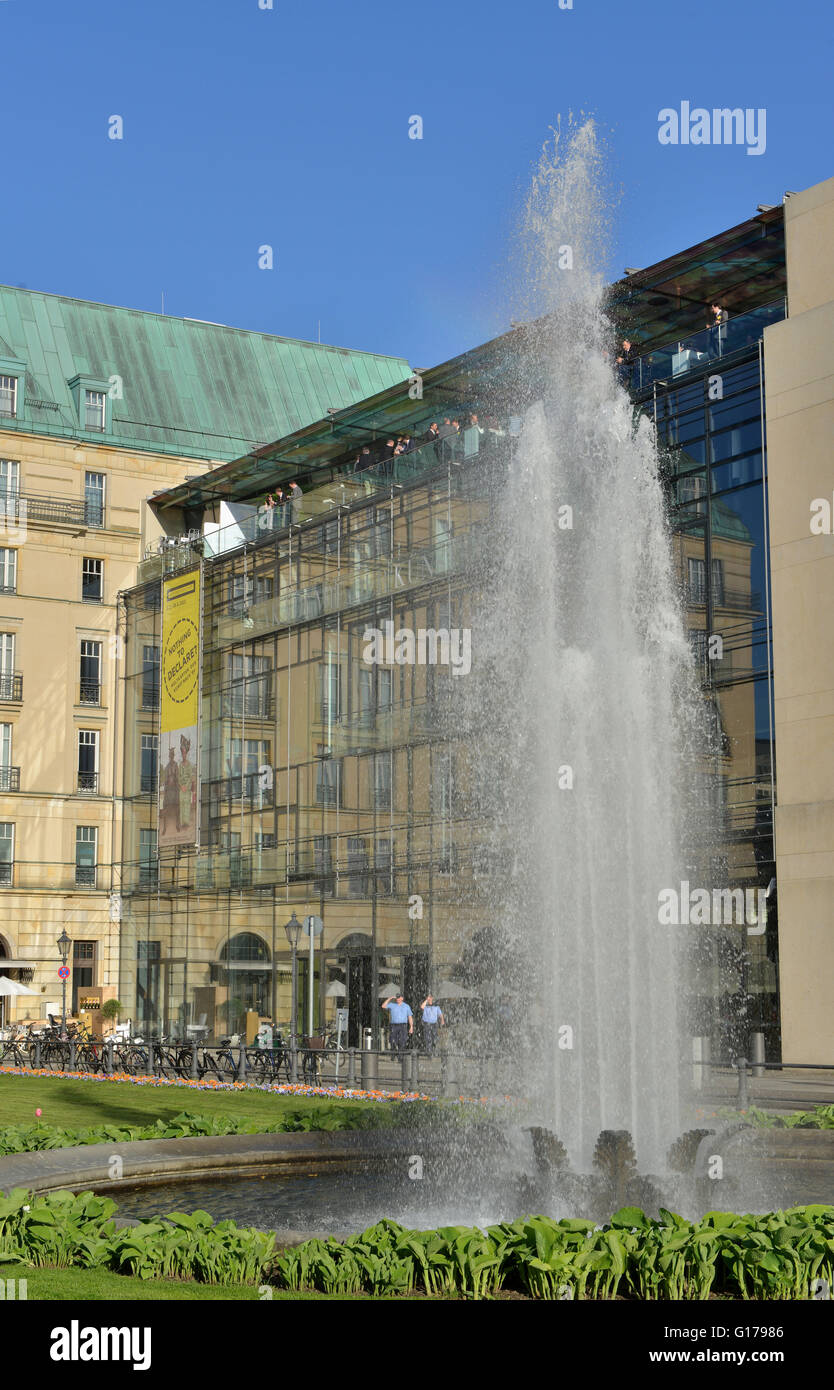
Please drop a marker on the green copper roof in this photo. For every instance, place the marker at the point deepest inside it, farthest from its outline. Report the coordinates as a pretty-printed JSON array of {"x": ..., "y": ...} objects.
[{"x": 197, "y": 389}]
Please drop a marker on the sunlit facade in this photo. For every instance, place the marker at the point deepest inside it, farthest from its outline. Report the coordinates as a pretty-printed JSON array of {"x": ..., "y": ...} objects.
[{"x": 340, "y": 788}]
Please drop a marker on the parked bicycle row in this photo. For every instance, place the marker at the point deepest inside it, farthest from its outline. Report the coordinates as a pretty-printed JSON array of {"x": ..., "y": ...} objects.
[{"x": 317, "y": 1065}]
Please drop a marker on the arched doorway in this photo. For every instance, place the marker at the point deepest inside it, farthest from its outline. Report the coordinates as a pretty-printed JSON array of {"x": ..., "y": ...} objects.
[{"x": 245, "y": 969}]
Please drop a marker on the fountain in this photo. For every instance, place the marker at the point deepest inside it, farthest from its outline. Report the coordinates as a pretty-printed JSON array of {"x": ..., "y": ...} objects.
[{"x": 595, "y": 718}]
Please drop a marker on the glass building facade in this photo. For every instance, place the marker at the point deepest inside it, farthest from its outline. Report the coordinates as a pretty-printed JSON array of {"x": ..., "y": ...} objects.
[{"x": 338, "y": 787}]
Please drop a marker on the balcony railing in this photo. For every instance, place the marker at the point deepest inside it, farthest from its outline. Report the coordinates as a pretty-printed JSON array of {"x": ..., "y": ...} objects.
[
  {"x": 709, "y": 345},
  {"x": 748, "y": 601},
  {"x": 32, "y": 506},
  {"x": 90, "y": 692},
  {"x": 87, "y": 781},
  {"x": 247, "y": 786},
  {"x": 321, "y": 503},
  {"x": 86, "y": 876},
  {"x": 11, "y": 686},
  {"x": 9, "y": 779}
]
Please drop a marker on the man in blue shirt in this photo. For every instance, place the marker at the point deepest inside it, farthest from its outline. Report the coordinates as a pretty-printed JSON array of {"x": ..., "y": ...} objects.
[
  {"x": 402, "y": 1019},
  {"x": 432, "y": 1015}
]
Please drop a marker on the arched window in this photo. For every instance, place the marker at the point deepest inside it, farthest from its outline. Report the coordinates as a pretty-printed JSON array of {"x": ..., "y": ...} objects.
[{"x": 245, "y": 946}]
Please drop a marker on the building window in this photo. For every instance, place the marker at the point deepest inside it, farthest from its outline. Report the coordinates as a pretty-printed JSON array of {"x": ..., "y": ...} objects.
[
  {"x": 83, "y": 970},
  {"x": 697, "y": 581},
  {"x": 7, "y": 651},
  {"x": 148, "y": 865},
  {"x": 150, "y": 754},
  {"x": 6, "y": 851},
  {"x": 382, "y": 781},
  {"x": 330, "y": 688},
  {"x": 718, "y": 581},
  {"x": 86, "y": 848},
  {"x": 244, "y": 761},
  {"x": 357, "y": 866},
  {"x": 9, "y": 479},
  {"x": 6, "y": 778},
  {"x": 8, "y": 571},
  {"x": 88, "y": 760},
  {"x": 322, "y": 863},
  {"x": 384, "y": 867},
  {"x": 94, "y": 498},
  {"x": 244, "y": 590},
  {"x": 90, "y": 673},
  {"x": 150, "y": 677},
  {"x": 250, "y": 686},
  {"x": 8, "y": 396},
  {"x": 329, "y": 782},
  {"x": 92, "y": 580},
  {"x": 95, "y": 410},
  {"x": 376, "y": 692},
  {"x": 240, "y": 864}
]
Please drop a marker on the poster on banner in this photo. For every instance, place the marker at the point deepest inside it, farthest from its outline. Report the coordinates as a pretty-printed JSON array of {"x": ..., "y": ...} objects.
[{"x": 179, "y": 710}]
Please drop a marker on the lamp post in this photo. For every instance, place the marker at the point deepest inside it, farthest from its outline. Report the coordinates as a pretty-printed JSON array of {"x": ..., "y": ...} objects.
[
  {"x": 293, "y": 931},
  {"x": 64, "y": 943}
]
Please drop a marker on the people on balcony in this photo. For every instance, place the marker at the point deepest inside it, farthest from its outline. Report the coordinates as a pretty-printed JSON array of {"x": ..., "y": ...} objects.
[
  {"x": 295, "y": 495},
  {"x": 473, "y": 436}
]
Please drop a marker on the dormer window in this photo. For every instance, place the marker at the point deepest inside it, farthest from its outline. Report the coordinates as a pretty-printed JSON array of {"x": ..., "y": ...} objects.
[
  {"x": 8, "y": 397},
  {"x": 91, "y": 403},
  {"x": 95, "y": 410}
]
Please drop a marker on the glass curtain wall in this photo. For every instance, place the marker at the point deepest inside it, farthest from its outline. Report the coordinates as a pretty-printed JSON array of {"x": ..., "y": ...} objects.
[
  {"x": 326, "y": 777},
  {"x": 711, "y": 433}
]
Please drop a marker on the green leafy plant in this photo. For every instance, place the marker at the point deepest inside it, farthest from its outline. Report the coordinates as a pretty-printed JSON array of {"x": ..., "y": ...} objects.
[{"x": 633, "y": 1255}]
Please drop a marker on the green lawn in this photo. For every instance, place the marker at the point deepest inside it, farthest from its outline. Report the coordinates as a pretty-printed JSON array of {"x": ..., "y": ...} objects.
[
  {"x": 79, "y": 1104},
  {"x": 96, "y": 1285}
]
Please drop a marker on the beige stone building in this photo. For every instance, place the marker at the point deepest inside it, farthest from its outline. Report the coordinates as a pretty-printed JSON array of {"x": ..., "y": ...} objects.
[
  {"x": 99, "y": 409},
  {"x": 799, "y": 359}
]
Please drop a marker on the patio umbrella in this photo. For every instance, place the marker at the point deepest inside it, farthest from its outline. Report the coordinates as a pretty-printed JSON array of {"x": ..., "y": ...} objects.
[
  {"x": 389, "y": 991},
  {"x": 8, "y": 986},
  {"x": 335, "y": 990}
]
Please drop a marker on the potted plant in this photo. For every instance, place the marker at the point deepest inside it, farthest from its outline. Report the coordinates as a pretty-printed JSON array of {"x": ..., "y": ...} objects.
[{"x": 110, "y": 1010}]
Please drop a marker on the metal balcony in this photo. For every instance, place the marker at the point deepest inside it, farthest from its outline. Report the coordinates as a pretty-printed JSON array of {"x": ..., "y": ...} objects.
[{"x": 11, "y": 686}]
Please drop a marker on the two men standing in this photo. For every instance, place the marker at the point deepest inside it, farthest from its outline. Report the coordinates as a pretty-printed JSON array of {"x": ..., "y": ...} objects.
[{"x": 402, "y": 1022}]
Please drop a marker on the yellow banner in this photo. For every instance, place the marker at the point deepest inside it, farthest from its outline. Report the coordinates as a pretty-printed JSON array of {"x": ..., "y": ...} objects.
[
  {"x": 179, "y": 709},
  {"x": 180, "y": 670}
]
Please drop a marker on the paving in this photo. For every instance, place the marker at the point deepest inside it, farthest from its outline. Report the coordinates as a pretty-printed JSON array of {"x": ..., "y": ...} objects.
[{"x": 782, "y": 1089}]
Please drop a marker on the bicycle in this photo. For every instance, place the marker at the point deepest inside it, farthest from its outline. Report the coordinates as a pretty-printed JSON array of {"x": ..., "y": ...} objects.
[
  {"x": 223, "y": 1062},
  {"x": 12, "y": 1054},
  {"x": 267, "y": 1063}
]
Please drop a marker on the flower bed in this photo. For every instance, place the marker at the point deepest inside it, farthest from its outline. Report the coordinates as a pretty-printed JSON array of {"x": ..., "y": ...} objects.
[{"x": 276, "y": 1088}]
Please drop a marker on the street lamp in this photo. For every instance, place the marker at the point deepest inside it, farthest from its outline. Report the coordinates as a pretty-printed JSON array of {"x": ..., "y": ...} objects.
[
  {"x": 293, "y": 930},
  {"x": 64, "y": 943}
]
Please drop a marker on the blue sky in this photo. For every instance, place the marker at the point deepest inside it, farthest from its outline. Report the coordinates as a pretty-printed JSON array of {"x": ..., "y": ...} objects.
[{"x": 289, "y": 127}]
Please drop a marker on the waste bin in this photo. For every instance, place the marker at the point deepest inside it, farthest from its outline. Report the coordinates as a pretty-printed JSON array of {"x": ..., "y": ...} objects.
[{"x": 367, "y": 1039}]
